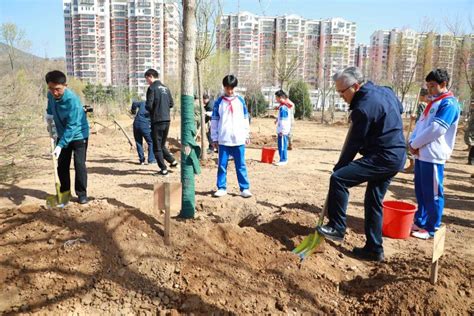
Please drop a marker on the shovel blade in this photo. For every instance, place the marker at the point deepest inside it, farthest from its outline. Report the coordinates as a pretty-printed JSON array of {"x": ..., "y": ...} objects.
[
  {"x": 302, "y": 246},
  {"x": 59, "y": 200}
]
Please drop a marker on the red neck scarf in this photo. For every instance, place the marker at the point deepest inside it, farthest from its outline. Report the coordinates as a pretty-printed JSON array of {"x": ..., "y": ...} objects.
[
  {"x": 288, "y": 105},
  {"x": 229, "y": 101},
  {"x": 441, "y": 97}
]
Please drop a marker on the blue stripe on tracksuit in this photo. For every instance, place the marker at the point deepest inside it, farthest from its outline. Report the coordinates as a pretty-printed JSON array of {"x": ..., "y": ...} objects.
[
  {"x": 283, "y": 129},
  {"x": 429, "y": 194},
  {"x": 238, "y": 152},
  {"x": 283, "y": 147}
]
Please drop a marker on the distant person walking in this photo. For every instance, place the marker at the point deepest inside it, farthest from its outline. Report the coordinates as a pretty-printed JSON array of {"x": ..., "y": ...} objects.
[
  {"x": 159, "y": 101},
  {"x": 142, "y": 130},
  {"x": 283, "y": 123}
]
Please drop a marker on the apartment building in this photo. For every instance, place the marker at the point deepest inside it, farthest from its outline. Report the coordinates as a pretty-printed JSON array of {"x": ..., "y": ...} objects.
[
  {"x": 113, "y": 42},
  {"x": 260, "y": 45},
  {"x": 362, "y": 58}
]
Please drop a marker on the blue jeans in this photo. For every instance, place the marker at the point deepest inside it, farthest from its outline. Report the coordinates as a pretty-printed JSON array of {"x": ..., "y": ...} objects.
[
  {"x": 378, "y": 179},
  {"x": 429, "y": 195},
  {"x": 283, "y": 147},
  {"x": 238, "y": 152},
  {"x": 140, "y": 133}
]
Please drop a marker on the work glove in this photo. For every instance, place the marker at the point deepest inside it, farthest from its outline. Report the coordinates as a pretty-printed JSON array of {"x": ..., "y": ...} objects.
[{"x": 57, "y": 152}]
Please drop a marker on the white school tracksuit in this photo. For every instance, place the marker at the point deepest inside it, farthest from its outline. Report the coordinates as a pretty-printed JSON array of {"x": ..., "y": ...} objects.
[
  {"x": 283, "y": 130},
  {"x": 434, "y": 135},
  {"x": 230, "y": 128}
]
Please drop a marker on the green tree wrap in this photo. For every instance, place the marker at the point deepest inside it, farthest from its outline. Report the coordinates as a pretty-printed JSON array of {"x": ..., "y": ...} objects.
[{"x": 189, "y": 163}]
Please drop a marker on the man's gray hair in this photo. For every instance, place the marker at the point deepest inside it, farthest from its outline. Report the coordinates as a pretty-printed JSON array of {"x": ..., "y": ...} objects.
[{"x": 349, "y": 76}]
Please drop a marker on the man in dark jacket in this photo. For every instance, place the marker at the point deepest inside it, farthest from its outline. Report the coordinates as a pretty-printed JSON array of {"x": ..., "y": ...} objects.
[
  {"x": 376, "y": 133},
  {"x": 208, "y": 107},
  {"x": 142, "y": 130},
  {"x": 159, "y": 102}
]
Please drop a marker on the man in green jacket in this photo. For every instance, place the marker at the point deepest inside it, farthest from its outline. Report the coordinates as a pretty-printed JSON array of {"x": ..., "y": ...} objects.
[{"x": 66, "y": 111}]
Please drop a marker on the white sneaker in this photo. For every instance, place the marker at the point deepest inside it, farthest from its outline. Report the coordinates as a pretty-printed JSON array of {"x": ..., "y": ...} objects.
[
  {"x": 415, "y": 228},
  {"x": 422, "y": 234},
  {"x": 246, "y": 193},
  {"x": 220, "y": 193},
  {"x": 281, "y": 163}
]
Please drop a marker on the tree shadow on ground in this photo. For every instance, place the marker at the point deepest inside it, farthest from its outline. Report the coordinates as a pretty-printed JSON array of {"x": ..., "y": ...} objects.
[
  {"x": 144, "y": 186},
  {"x": 18, "y": 194},
  {"x": 113, "y": 160},
  {"x": 114, "y": 172},
  {"x": 111, "y": 267}
]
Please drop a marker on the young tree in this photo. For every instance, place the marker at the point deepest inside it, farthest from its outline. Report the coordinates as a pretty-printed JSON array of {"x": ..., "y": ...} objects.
[
  {"x": 208, "y": 13},
  {"x": 402, "y": 63},
  {"x": 285, "y": 64},
  {"x": 255, "y": 100},
  {"x": 189, "y": 151},
  {"x": 462, "y": 78},
  {"x": 214, "y": 69},
  {"x": 14, "y": 39}
]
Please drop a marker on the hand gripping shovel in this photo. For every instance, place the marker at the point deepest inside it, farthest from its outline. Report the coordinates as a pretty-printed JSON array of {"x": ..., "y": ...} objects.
[
  {"x": 61, "y": 198},
  {"x": 313, "y": 240}
]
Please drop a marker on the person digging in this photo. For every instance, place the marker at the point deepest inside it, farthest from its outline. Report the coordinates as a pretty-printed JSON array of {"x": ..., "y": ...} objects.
[
  {"x": 66, "y": 111},
  {"x": 377, "y": 134}
]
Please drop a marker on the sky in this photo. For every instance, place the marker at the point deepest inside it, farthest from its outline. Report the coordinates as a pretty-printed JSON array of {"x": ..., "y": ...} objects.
[{"x": 42, "y": 20}]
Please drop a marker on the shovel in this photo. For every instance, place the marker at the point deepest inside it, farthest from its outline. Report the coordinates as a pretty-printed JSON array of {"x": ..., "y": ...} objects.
[
  {"x": 313, "y": 240},
  {"x": 61, "y": 198}
]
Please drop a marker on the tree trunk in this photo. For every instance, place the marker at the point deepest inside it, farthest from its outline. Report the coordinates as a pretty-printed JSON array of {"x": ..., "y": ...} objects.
[
  {"x": 324, "y": 94},
  {"x": 189, "y": 149},
  {"x": 203, "y": 113}
]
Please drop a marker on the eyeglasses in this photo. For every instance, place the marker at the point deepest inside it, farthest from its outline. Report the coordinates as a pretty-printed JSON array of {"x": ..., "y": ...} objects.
[{"x": 341, "y": 92}]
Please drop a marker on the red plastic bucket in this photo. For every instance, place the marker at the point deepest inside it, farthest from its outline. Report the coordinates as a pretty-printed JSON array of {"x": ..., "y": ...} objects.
[
  {"x": 397, "y": 219},
  {"x": 268, "y": 154}
]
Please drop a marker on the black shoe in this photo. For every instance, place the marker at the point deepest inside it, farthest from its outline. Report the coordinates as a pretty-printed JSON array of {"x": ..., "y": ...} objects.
[
  {"x": 330, "y": 233},
  {"x": 364, "y": 254},
  {"x": 83, "y": 200},
  {"x": 163, "y": 172},
  {"x": 174, "y": 164}
]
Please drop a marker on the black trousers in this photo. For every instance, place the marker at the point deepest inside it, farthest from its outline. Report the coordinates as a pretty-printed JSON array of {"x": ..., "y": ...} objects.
[
  {"x": 378, "y": 179},
  {"x": 471, "y": 156},
  {"x": 79, "y": 148},
  {"x": 159, "y": 135}
]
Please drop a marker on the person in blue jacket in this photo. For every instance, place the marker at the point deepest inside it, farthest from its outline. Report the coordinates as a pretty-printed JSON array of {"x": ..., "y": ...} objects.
[
  {"x": 66, "y": 111},
  {"x": 142, "y": 130},
  {"x": 432, "y": 143},
  {"x": 376, "y": 133}
]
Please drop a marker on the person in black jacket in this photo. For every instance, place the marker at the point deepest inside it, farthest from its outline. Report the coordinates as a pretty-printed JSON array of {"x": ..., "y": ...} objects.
[
  {"x": 159, "y": 102},
  {"x": 376, "y": 133}
]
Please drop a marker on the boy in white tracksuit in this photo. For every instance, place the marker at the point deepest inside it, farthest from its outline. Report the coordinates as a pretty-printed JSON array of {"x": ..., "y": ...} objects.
[
  {"x": 283, "y": 126},
  {"x": 230, "y": 131},
  {"x": 432, "y": 143}
]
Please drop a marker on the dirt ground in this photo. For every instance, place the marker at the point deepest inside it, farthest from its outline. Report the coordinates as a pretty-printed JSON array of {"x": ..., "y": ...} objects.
[{"x": 108, "y": 257}]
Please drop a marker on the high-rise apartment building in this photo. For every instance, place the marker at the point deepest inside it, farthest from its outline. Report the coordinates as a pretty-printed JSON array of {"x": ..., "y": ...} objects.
[
  {"x": 259, "y": 45},
  {"x": 113, "y": 42},
  {"x": 362, "y": 59}
]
